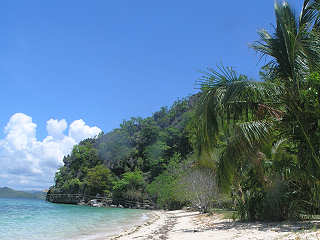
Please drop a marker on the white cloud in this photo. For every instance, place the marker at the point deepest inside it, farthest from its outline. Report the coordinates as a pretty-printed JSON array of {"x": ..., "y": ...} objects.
[
  {"x": 26, "y": 162},
  {"x": 20, "y": 130},
  {"x": 79, "y": 130},
  {"x": 56, "y": 128}
]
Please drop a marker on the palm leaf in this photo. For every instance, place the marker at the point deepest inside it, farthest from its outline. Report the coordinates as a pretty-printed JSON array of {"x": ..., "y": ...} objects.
[{"x": 294, "y": 47}]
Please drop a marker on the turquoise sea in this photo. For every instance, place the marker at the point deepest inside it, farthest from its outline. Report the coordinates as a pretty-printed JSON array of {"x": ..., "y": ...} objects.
[{"x": 28, "y": 219}]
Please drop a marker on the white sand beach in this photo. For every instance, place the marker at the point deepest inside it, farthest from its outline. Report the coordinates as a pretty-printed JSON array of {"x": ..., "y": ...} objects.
[{"x": 185, "y": 225}]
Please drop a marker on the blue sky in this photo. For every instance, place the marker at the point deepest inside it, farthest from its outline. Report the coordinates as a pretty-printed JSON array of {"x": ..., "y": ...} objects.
[{"x": 106, "y": 61}]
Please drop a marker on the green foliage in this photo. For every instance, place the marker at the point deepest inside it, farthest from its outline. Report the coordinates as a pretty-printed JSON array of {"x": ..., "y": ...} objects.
[
  {"x": 114, "y": 149},
  {"x": 155, "y": 159},
  {"x": 130, "y": 186},
  {"x": 166, "y": 189},
  {"x": 72, "y": 186},
  {"x": 263, "y": 136},
  {"x": 122, "y": 162},
  {"x": 99, "y": 180},
  {"x": 130, "y": 180}
]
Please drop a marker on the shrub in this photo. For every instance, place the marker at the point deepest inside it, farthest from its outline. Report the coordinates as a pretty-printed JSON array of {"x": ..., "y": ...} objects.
[
  {"x": 130, "y": 186},
  {"x": 99, "y": 179}
]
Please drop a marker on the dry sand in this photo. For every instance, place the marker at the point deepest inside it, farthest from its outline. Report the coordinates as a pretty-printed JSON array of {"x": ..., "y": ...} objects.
[{"x": 185, "y": 225}]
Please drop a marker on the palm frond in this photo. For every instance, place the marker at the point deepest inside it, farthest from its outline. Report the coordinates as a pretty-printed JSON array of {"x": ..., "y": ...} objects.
[
  {"x": 278, "y": 146},
  {"x": 294, "y": 46},
  {"x": 228, "y": 96},
  {"x": 249, "y": 135},
  {"x": 243, "y": 145}
]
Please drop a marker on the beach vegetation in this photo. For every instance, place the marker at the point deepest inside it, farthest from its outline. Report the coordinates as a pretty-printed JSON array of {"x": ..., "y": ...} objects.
[{"x": 266, "y": 132}]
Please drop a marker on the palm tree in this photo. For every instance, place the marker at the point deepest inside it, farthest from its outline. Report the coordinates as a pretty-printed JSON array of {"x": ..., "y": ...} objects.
[
  {"x": 294, "y": 46},
  {"x": 234, "y": 117},
  {"x": 257, "y": 109},
  {"x": 293, "y": 51},
  {"x": 237, "y": 117}
]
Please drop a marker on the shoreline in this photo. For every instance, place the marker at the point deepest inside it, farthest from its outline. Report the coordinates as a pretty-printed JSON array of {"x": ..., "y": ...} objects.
[
  {"x": 153, "y": 217},
  {"x": 187, "y": 225}
]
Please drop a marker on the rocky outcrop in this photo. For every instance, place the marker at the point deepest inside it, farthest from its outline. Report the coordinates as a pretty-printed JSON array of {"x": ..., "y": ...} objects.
[
  {"x": 123, "y": 204},
  {"x": 93, "y": 201}
]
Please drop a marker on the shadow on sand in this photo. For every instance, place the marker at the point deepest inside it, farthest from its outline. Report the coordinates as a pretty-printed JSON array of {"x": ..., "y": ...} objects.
[{"x": 264, "y": 226}]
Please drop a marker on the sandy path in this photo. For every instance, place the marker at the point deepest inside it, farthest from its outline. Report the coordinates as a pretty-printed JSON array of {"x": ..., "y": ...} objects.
[{"x": 182, "y": 225}]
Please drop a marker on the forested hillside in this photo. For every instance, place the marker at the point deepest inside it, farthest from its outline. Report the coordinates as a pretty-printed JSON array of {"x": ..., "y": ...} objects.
[
  {"x": 127, "y": 162},
  {"x": 6, "y": 192}
]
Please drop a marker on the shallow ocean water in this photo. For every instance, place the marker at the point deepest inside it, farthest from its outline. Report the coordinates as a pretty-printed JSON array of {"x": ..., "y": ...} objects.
[{"x": 29, "y": 219}]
